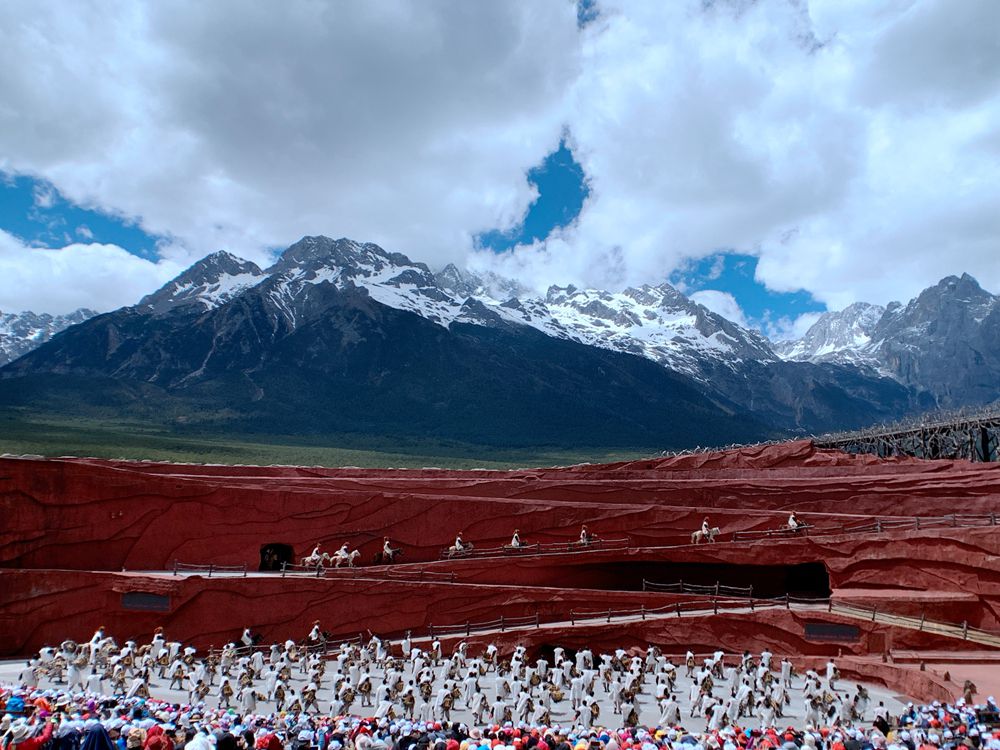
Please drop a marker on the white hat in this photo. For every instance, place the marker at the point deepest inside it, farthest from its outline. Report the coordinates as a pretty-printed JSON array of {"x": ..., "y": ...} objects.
[{"x": 19, "y": 731}]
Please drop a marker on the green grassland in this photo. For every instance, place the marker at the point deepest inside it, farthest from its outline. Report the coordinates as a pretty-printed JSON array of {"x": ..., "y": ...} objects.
[{"x": 22, "y": 433}]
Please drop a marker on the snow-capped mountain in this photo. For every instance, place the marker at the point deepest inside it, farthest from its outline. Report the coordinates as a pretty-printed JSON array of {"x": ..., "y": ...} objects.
[
  {"x": 657, "y": 322},
  {"x": 338, "y": 334},
  {"x": 842, "y": 337},
  {"x": 22, "y": 332},
  {"x": 862, "y": 363},
  {"x": 212, "y": 281},
  {"x": 946, "y": 341}
]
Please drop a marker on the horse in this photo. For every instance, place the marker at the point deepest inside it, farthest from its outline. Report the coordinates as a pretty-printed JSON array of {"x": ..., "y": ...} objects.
[
  {"x": 699, "y": 535},
  {"x": 348, "y": 558},
  {"x": 454, "y": 551},
  {"x": 317, "y": 561},
  {"x": 380, "y": 558}
]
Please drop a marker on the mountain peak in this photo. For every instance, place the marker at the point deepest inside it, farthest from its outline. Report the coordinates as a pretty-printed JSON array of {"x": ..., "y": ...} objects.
[
  {"x": 961, "y": 290},
  {"x": 838, "y": 336},
  {"x": 321, "y": 255},
  {"x": 209, "y": 282}
]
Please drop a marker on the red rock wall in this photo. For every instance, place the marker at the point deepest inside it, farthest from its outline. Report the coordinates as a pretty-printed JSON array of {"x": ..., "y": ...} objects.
[
  {"x": 44, "y": 607},
  {"x": 83, "y": 515}
]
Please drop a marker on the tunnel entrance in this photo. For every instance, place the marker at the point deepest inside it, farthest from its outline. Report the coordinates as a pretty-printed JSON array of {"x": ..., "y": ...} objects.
[
  {"x": 800, "y": 579},
  {"x": 274, "y": 554}
]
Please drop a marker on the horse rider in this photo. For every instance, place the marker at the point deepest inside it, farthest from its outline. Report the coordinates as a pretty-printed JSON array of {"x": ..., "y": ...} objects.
[
  {"x": 585, "y": 536},
  {"x": 344, "y": 553},
  {"x": 95, "y": 643},
  {"x": 706, "y": 530},
  {"x": 459, "y": 546},
  {"x": 388, "y": 552},
  {"x": 515, "y": 541},
  {"x": 315, "y": 554},
  {"x": 793, "y": 522}
]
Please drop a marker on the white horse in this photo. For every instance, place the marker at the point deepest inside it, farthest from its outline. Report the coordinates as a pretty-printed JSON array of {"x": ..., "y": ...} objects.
[
  {"x": 347, "y": 559},
  {"x": 698, "y": 536},
  {"x": 454, "y": 551},
  {"x": 316, "y": 561}
]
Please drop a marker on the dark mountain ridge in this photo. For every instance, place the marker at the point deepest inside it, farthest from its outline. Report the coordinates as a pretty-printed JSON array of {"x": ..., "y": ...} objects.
[{"x": 342, "y": 336}]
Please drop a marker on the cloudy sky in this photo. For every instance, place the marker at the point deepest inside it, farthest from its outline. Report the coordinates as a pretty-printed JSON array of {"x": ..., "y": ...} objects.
[{"x": 773, "y": 158}]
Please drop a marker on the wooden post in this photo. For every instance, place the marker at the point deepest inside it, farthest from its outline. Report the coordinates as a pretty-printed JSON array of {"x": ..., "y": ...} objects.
[
  {"x": 501, "y": 623},
  {"x": 678, "y": 605},
  {"x": 244, "y": 570},
  {"x": 284, "y": 565},
  {"x": 468, "y": 629},
  {"x": 788, "y": 604},
  {"x": 572, "y": 618},
  {"x": 874, "y": 611},
  {"x": 642, "y": 611},
  {"x": 609, "y": 614},
  {"x": 715, "y": 605},
  {"x": 716, "y": 588},
  {"x": 965, "y": 630},
  {"x": 537, "y": 621},
  {"x": 211, "y": 568},
  {"x": 922, "y": 616},
  {"x": 751, "y": 604},
  {"x": 175, "y": 567}
]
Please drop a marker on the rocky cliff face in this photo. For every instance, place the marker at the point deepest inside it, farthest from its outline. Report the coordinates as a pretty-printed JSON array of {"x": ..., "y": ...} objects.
[
  {"x": 22, "y": 332},
  {"x": 944, "y": 343},
  {"x": 841, "y": 337}
]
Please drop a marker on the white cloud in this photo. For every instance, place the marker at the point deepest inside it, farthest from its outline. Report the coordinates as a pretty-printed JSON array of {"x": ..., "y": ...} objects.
[
  {"x": 101, "y": 277},
  {"x": 718, "y": 266},
  {"x": 789, "y": 329},
  {"x": 852, "y": 146},
  {"x": 244, "y": 127},
  {"x": 44, "y": 195},
  {"x": 722, "y": 303}
]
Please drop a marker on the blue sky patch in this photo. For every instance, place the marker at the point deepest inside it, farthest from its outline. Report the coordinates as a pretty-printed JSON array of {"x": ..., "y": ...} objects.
[
  {"x": 586, "y": 11},
  {"x": 36, "y": 213},
  {"x": 735, "y": 273},
  {"x": 562, "y": 189}
]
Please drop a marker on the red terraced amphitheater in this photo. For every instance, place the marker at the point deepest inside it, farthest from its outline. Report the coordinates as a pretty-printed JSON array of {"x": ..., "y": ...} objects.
[{"x": 89, "y": 542}]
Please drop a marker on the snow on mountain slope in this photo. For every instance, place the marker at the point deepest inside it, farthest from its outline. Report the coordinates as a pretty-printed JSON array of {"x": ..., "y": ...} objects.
[
  {"x": 212, "y": 281},
  {"x": 390, "y": 278},
  {"x": 945, "y": 341},
  {"x": 22, "y": 332},
  {"x": 842, "y": 337},
  {"x": 655, "y": 322}
]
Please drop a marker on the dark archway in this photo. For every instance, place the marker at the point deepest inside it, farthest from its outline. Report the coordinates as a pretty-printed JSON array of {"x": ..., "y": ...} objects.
[
  {"x": 274, "y": 554},
  {"x": 809, "y": 579}
]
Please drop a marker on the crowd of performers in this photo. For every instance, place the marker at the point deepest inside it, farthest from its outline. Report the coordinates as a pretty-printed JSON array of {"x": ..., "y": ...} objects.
[
  {"x": 346, "y": 557},
  {"x": 293, "y": 690}
]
